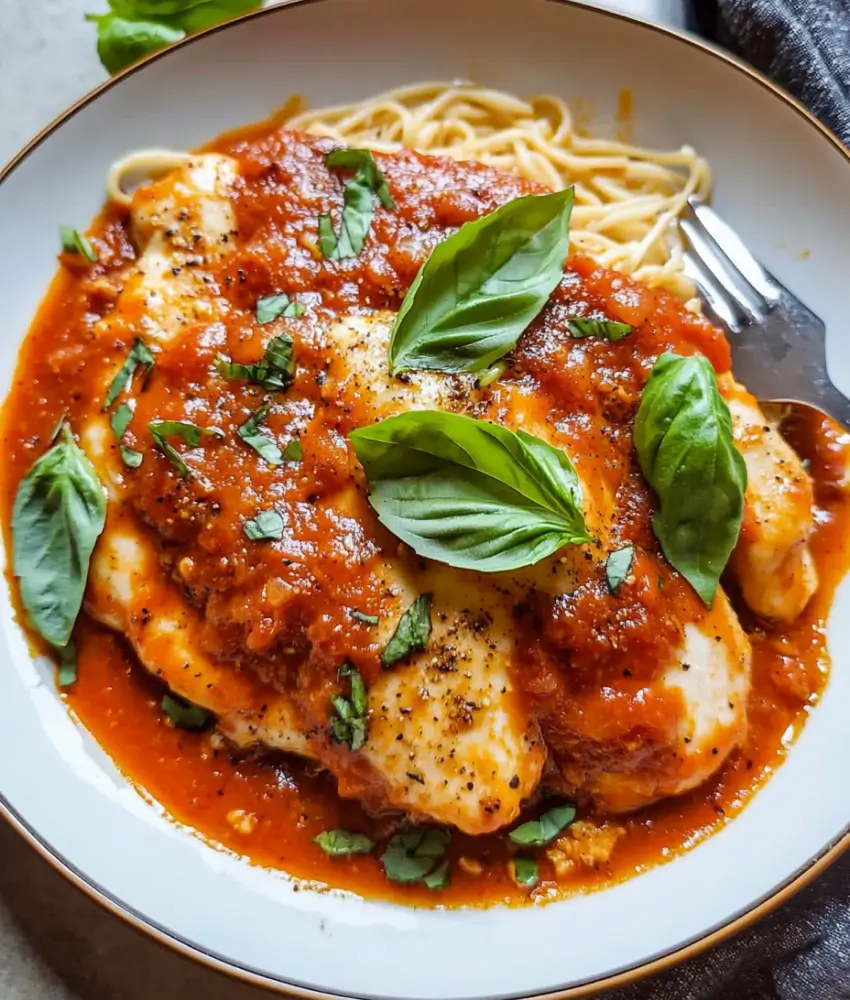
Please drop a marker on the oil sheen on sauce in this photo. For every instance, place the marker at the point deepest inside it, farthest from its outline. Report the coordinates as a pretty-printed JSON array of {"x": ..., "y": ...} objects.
[{"x": 195, "y": 776}]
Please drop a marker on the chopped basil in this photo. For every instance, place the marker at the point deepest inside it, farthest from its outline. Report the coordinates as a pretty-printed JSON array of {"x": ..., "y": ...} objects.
[
  {"x": 68, "y": 665},
  {"x": 268, "y": 524},
  {"x": 526, "y": 872},
  {"x": 618, "y": 567},
  {"x": 544, "y": 830},
  {"x": 275, "y": 371},
  {"x": 276, "y": 306},
  {"x": 439, "y": 878},
  {"x": 348, "y": 725},
  {"x": 58, "y": 516},
  {"x": 357, "y": 203},
  {"x": 609, "y": 329},
  {"x": 339, "y": 843},
  {"x": 683, "y": 437},
  {"x": 412, "y": 632},
  {"x": 73, "y": 241},
  {"x": 468, "y": 493},
  {"x": 413, "y": 856},
  {"x": 480, "y": 288},
  {"x": 139, "y": 357},
  {"x": 188, "y": 432},
  {"x": 293, "y": 452},
  {"x": 361, "y": 616},
  {"x": 186, "y": 715},
  {"x": 263, "y": 445},
  {"x": 120, "y": 421},
  {"x": 492, "y": 374}
]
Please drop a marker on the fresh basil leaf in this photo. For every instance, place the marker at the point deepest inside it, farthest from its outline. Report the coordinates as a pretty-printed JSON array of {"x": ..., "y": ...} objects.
[
  {"x": 683, "y": 437},
  {"x": 526, "y": 872},
  {"x": 139, "y": 357},
  {"x": 58, "y": 515},
  {"x": 357, "y": 208},
  {"x": 268, "y": 524},
  {"x": 349, "y": 724},
  {"x": 68, "y": 665},
  {"x": 544, "y": 830},
  {"x": 73, "y": 241},
  {"x": 156, "y": 9},
  {"x": 185, "y": 715},
  {"x": 199, "y": 16},
  {"x": 410, "y": 857},
  {"x": 480, "y": 288},
  {"x": 439, "y": 878},
  {"x": 363, "y": 161},
  {"x": 251, "y": 434},
  {"x": 618, "y": 567},
  {"x": 188, "y": 432},
  {"x": 122, "y": 42},
  {"x": 585, "y": 326},
  {"x": 120, "y": 421},
  {"x": 470, "y": 494},
  {"x": 293, "y": 452},
  {"x": 339, "y": 843},
  {"x": 276, "y": 306},
  {"x": 275, "y": 371},
  {"x": 492, "y": 374},
  {"x": 412, "y": 632},
  {"x": 361, "y": 616}
]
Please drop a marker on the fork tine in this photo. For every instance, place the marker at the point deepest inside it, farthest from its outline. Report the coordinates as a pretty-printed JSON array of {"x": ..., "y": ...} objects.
[
  {"x": 722, "y": 308},
  {"x": 727, "y": 276},
  {"x": 735, "y": 250}
]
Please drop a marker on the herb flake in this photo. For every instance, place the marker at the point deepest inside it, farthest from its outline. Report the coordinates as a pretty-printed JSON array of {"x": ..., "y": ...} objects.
[
  {"x": 185, "y": 715},
  {"x": 538, "y": 833},
  {"x": 267, "y": 525},
  {"x": 73, "y": 241},
  {"x": 139, "y": 357},
  {"x": 608, "y": 329},
  {"x": 618, "y": 567},
  {"x": 341, "y": 843},
  {"x": 412, "y": 632},
  {"x": 265, "y": 446}
]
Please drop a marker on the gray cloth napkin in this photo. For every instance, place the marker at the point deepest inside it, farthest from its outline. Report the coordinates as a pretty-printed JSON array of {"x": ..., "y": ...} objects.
[{"x": 801, "y": 951}]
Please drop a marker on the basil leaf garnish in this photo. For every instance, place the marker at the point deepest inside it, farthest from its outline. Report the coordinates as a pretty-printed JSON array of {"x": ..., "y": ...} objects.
[
  {"x": 186, "y": 715},
  {"x": 68, "y": 665},
  {"x": 275, "y": 371},
  {"x": 268, "y": 524},
  {"x": 609, "y": 329},
  {"x": 544, "y": 830},
  {"x": 338, "y": 843},
  {"x": 439, "y": 878},
  {"x": 357, "y": 203},
  {"x": 480, "y": 288},
  {"x": 410, "y": 857},
  {"x": 618, "y": 566},
  {"x": 263, "y": 445},
  {"x": 683, "y": 437},
  {"x": 188, "y": 432},
  {"x": 120, "y": 421},
  {"x": 361, "y": 616},
  {"x": 348, "y": 724},
  {"x": 58, "y": 515},
  {"x": 73, "y": 241},
  {"x": 275, "y": 306},
  {"x": 293, "y": 452},
  {"x": 526, "y": 872},
  {"x": 470, "y": 494},
  {"x": 122, "y": 42},
  {"x": 139, "y": 357},
  {"x": 412, "y": 632}
]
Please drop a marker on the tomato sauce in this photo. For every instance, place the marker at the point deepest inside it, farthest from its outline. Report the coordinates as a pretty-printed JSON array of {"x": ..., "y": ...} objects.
[{"x": 269, "y": 806}]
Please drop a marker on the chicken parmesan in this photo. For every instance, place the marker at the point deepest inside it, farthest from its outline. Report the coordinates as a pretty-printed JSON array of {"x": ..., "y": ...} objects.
[{"x": 388, "y": 541}]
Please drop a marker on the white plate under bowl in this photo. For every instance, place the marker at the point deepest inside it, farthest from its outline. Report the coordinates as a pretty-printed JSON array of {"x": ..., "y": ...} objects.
[{"x": 782, "y": 180}]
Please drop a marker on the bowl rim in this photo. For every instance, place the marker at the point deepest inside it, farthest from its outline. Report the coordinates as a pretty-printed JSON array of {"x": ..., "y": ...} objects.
[{"x": 736, "y": 922}]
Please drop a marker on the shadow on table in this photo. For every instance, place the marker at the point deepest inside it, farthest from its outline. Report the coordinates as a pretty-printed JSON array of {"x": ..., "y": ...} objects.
[{"x": 800, "y": 953}]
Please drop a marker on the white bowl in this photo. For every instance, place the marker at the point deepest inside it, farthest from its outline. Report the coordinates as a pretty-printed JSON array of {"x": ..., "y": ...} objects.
[{"x": 782, "y": 180}]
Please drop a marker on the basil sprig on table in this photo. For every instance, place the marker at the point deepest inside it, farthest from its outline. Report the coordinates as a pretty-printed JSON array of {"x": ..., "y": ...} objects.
[
  {"x": 357, "y": 208},
  {"x": 58, "y": 515},
  {"x": 683, "y": 437},
  {"x": 480, "y": 288},
  {"x": 417, "y": 856},
  {"x": 470, "y": 494}
]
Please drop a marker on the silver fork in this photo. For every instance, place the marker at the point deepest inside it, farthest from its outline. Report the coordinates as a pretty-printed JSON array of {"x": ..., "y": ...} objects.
[{"x": 778, "y": 344}]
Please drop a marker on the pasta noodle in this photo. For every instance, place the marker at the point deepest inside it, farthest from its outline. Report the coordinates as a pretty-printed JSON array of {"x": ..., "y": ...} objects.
[{"x": 626, "y": 198}]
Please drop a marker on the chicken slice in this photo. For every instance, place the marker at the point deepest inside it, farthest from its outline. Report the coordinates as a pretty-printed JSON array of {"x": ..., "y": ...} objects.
[{"x": 772, "y": 560}]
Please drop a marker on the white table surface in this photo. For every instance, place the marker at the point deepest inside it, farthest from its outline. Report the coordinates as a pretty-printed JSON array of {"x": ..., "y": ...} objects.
[{"x": 55, "y": 944}]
